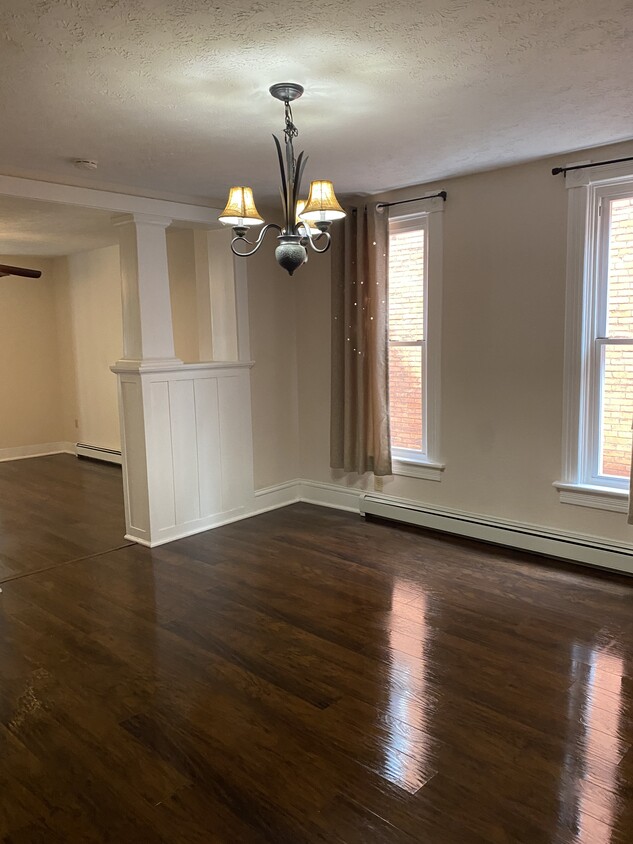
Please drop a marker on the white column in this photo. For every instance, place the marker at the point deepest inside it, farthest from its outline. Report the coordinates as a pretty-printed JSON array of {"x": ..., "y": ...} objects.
[
  {"x": 186, "y": 432},
  {"x": 147, "y": 324}
]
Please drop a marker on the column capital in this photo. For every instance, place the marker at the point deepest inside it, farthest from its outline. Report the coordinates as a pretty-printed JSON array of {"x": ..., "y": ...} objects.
[
  {"x": 141, "y": 219},
  {"x": 138, "y": 367}
]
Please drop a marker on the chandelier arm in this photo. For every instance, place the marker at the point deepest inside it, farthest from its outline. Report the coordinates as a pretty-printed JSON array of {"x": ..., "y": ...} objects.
[
  {"x": 296, "y": 187},
  {"x": 241, "y": 239},
  {"x": 282, "y": 173},
  {"x": 314, "y": 240}
]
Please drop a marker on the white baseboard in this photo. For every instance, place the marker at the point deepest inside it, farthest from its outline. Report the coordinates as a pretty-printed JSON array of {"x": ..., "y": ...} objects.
[
  {"x": 330, "y": 495},
  {"x": 171, "y": 534},
  {"x": 580, "y": 548},
  {"x": 274, "y": 497},
  {"x": 22, "y": 452},
  {"x": 310, "y": 492}
]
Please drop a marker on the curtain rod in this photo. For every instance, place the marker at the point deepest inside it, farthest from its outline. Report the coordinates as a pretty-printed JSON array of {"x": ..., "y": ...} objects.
[
  {"x": 442, "y": 193},
  {"x": 564, "y": 170}
]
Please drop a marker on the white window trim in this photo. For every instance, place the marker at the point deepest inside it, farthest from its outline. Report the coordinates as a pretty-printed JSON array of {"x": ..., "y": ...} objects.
[
  {"x": 427, "y": 465},
  {"x": 586, "y": 187}
]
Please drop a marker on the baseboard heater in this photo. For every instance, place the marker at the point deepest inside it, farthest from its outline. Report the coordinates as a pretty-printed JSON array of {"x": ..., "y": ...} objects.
[
  {"x": 95, "y": 452},
  {"x": 576, "y": 548}
]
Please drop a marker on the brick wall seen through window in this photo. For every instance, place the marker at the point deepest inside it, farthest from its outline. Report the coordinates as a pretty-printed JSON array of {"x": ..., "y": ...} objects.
[
  {"x": 406, "y": 326},
  {"x": 617, "y": 395}
]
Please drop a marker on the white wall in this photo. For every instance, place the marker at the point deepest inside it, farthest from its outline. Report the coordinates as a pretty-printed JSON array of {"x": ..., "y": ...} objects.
[
  {"x": 502, "y": 353},
  {"x": 94, "y": 300},
  {"x": 66, "y": 364}
]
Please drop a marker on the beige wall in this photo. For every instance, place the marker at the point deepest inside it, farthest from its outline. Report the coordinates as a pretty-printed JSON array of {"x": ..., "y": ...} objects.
[
  {"x": 66, "y": 366},
  {"x": 30, "y": 355},
  {"x": 271, "y": 304},
  {"x": 182, "y": 288},
  {"x": 94, "y": 299},
  {"x": 502, "y": 352}
]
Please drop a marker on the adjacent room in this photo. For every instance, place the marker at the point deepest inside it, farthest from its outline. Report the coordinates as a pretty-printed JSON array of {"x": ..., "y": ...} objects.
[
  {"x": 315, "y": 452},
  {"x": 61, "y": 333}
]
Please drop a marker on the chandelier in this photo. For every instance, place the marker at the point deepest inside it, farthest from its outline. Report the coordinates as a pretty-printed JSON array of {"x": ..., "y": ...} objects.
[{"x": 306, "y": 222}]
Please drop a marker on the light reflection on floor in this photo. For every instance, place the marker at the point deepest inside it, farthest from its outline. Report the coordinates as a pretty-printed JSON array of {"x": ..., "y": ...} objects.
[
  {"x": 406, "y": 753},
  {"x": 589, "y": 793}
]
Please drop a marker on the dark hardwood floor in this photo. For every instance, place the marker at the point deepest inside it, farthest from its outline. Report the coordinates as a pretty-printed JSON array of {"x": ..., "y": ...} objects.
[
  {"x": 55, "y": 509},
  {"x": 304, "y": 676}
]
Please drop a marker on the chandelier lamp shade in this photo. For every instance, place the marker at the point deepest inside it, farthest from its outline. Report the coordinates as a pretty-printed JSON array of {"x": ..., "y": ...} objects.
[
  {"x": 306, "y": 222},
  {"x": 240, "y": 209}
]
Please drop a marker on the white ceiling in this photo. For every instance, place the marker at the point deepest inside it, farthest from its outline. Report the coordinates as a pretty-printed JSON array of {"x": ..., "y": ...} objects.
[
  {"x": 28, "y": 227},
  {"x": 172, "y": 96}
]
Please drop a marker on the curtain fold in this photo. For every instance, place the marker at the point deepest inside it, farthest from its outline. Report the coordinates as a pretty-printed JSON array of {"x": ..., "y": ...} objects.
[{"x": 359, "y": 428}]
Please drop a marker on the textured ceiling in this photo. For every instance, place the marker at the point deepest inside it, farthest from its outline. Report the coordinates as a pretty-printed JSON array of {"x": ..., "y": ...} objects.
[
  {"x": 172, "y": 96},
  {"x": 28, "y": 227}
]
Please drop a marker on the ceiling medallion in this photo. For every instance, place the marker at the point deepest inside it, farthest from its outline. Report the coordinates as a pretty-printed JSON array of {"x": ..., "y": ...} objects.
[{"x": 306, "y": 222}]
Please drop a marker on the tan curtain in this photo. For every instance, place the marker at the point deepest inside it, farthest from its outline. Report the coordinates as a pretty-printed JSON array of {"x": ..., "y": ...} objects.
[{"x": 359, "y": 433}]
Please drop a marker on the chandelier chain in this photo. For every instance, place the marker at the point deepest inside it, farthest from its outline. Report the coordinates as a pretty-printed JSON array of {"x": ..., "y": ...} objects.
[{"x": 291, "y": 130}]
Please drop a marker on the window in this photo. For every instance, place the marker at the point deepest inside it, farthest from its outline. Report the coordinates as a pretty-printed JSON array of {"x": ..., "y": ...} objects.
[
  {"x": 599, "y": 343},
  {"x": 414, "y": 334},
  {"x": 407, "y": 345},
  {"x": 612, "y": 339}
]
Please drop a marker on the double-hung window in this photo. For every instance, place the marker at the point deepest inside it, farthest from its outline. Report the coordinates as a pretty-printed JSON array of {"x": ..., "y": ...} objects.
[
  {"x": 415, "y": 265},
  {"x": 599, "y": 342}
]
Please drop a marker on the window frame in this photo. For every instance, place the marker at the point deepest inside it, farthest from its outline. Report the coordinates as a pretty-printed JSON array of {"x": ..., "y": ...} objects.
[
  {"x": 589, "y": 192},
  {"x": 428, "y": 215}
]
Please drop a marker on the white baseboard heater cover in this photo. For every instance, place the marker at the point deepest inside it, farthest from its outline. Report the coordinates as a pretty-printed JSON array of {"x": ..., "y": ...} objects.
[
  {"x": 95, "y": 452},
  {"x": 574, "y": 547}
]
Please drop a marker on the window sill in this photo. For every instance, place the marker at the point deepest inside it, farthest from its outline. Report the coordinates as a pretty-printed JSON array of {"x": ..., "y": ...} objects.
[
  {"x": 411, "y": 468},
  {"x": 597, "y": 497}
]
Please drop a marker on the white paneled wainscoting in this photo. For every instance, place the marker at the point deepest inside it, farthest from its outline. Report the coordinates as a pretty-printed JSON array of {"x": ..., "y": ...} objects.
[{"x": 187, "y": 447}]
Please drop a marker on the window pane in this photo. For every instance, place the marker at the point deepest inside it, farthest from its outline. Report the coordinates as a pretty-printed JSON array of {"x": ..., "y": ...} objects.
[
  {"x": 617, "y": 411},
  {"x": 406, "y": 285},
  {"x": 620, "y": 296},
  {"x": 405, "y": 396}
]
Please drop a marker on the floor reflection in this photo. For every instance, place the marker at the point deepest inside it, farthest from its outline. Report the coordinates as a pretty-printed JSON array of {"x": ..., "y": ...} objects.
[
  {"x": 589, "y": 796},
  {"x": 407, "y": 749}
]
